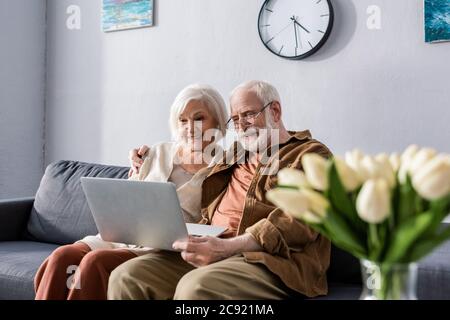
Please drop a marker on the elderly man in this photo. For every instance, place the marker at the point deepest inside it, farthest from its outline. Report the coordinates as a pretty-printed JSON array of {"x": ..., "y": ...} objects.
[{"x": 265, "y": 253}]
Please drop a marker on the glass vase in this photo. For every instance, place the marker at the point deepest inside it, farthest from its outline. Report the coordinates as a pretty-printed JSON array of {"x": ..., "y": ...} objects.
[{"x": 388, "y": 281}]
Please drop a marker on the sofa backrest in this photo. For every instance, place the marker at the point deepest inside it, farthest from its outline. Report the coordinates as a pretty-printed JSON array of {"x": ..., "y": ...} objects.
[
  {"x": 60, "y": 212},
  {"x": 344, "y": 268}
]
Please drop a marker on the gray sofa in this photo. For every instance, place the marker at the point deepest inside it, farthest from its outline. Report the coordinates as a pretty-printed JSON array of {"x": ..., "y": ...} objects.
[{"x": 30, "y": 229}]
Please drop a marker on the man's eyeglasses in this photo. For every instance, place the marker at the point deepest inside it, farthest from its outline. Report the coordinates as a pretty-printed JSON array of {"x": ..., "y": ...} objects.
[{"x": 248, "y": 118}]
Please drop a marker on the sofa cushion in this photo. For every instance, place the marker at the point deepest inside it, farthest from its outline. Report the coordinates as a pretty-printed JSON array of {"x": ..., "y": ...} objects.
[
  {"x": 60, "y": 213},
  {"x": 434, "y": 275},
  {"x": 19, "y": 262}
]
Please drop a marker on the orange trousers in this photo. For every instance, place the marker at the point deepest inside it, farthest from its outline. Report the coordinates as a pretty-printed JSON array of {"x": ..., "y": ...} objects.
[{"x": 74, "y": 272}]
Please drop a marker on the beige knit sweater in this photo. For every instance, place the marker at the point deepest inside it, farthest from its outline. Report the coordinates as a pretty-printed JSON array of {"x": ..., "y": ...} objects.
[{"x": 158, "y": 165}]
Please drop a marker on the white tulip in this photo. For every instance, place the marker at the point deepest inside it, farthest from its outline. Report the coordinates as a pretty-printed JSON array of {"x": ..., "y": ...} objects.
[
  {"x": 420, "y": 158},
  {"x": 317, "y": 203},
  {"x": 310, "y": 217},
  {"x": 290, "y": 201},
  {"x": 406, "y": 159},
  {"x": 316, "y": 170},
  {"x": 409, "y": 152},
  {"x": 385, "y": 169},
  {"x": 353, "y": 159},
  {"x": 293, "y": 178},
  {"x": 395, "y": 161},
  {"x": 362, "y": 164},
  {"x": 368, "y": 168},
  {"x": 349, "y": 177},
  {"x": 432, "y": 181},
  {"x": 382, "y": 157},
  {"x": 373, "y": 201}
]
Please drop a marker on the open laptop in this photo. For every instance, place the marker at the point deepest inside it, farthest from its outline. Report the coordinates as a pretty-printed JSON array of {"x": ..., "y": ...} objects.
[{"x": 140, "y": 212}]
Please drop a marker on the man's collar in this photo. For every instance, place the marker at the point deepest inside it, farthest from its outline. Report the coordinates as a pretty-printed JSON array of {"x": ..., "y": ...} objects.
[
  {"x": 299, "y": 135},
  {"x": 239, "y": 152}
]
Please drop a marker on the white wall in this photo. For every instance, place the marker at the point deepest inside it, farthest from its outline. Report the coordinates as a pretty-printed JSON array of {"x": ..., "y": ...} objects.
[
  {"x": 22, "y": 86},
  {"x": 377, "y": 90}
]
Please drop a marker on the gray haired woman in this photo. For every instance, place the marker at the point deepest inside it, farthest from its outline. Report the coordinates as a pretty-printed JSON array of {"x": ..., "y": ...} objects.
[{"x": 197, "y": 111}]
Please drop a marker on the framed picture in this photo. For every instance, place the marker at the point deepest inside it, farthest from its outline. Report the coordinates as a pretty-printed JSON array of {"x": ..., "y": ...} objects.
[
  {"x": 126, "y": 14},
  {"x": 437, "y": 20}
]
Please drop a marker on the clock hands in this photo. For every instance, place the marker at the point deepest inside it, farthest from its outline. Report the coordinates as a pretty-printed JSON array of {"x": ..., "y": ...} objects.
[
  {"x": 296, "y": 22},
  {"x": 297, "y": 33},
  {"x": 273, "y": 37},
  {"x": 296, "y": 40},
  {"x": 301, "y": 26}
]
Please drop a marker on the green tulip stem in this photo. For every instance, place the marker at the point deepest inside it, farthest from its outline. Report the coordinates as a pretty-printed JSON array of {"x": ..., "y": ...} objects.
[
  {"x": 393, "y": 283},
  {"x": 374, "y": 233},
  {"x": 391, "y": 222}
]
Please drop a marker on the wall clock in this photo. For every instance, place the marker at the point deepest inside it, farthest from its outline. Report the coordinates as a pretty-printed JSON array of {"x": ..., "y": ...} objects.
[{"x": 295, "y": 29}]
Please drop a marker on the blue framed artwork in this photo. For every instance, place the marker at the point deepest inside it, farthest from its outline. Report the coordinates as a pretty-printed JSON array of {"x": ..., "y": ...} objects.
[
  {"x": 126, "y": 14},
  {"x": 437, "y": 20}
]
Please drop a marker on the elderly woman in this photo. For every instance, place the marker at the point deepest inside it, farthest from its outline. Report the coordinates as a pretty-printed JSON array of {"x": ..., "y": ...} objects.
[{"x": 196, "y": 111}]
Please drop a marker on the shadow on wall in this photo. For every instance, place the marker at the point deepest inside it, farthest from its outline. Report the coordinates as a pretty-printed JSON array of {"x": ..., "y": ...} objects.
[{"x": 343, "y": 29}]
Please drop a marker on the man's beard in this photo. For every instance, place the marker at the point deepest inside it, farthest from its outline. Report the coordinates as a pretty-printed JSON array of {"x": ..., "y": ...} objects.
[{"x": 255, "y": 139}]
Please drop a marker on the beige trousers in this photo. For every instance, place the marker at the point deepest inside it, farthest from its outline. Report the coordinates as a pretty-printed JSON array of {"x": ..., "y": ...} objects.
[{"x": 165, "y": 275}]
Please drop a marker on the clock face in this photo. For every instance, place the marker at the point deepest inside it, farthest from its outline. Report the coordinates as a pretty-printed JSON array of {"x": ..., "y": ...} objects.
[{"x": 295, "y": 29}]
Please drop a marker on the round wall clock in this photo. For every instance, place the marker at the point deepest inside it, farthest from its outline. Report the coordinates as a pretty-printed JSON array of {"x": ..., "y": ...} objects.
[{"x": 295, "y": 29}]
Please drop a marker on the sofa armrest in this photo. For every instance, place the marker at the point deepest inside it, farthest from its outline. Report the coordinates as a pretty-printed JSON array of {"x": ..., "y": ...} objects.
[{"x": 14, "y": 214}]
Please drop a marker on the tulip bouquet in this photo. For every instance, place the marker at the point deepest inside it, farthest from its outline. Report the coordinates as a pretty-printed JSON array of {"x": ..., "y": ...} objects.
[{"x": 386, "y": 209}]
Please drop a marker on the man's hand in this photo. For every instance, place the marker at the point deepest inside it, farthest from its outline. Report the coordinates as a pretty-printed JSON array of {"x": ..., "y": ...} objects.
[
  {"x": 135, "y": 158},
  {"x": 202, "y": 251}
]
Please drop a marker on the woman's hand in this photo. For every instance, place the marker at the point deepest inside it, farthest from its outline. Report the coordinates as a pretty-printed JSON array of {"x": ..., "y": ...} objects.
[{"x": 135, "y": 158}]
